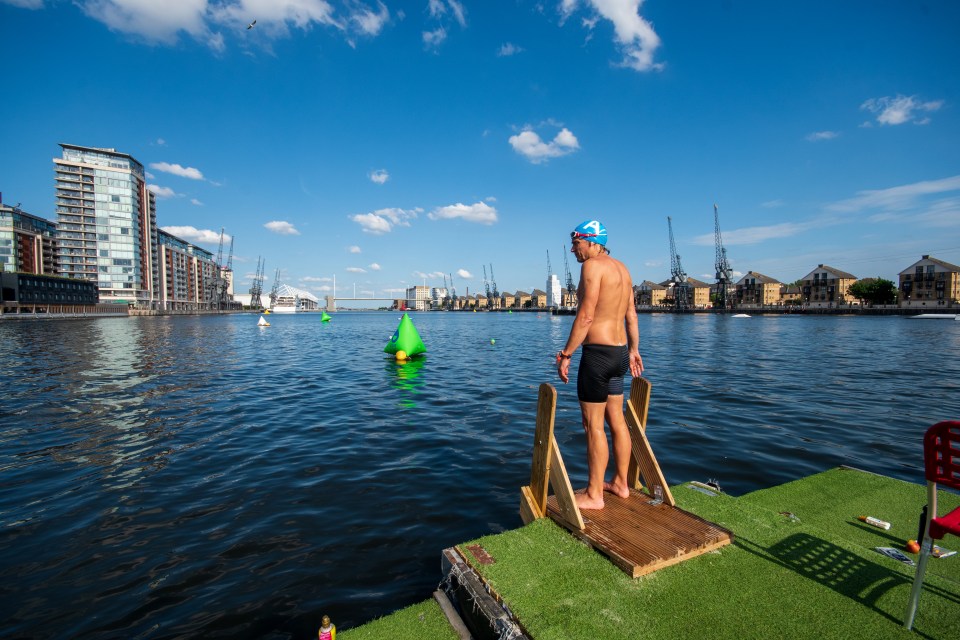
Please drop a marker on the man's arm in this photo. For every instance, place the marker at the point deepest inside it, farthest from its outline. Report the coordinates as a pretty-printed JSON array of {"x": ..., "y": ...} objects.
[
  {"x": 633, "y": 332},
  {"x": 589, "y": 291}
]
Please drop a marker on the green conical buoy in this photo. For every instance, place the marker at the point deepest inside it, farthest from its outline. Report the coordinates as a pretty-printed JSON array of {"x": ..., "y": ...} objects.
[
  {"x": 405, "y": 339},
  {"x": 325, "y": 317}
]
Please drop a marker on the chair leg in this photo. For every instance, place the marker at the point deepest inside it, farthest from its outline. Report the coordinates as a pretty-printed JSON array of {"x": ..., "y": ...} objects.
[{"x": 925, "y": 550}]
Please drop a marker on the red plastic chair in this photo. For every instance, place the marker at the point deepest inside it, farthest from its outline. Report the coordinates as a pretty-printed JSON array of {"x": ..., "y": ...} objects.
[{"x": 941, "y": 462}]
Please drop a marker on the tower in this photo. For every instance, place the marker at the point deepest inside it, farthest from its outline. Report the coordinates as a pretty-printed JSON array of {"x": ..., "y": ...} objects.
[{"x": 107, "y": 221}]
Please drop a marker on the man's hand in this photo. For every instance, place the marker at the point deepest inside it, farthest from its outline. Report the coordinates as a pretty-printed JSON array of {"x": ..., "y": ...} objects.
[
  {"x": 636, "y": 364},
  {"x": 563, "y": 367}
]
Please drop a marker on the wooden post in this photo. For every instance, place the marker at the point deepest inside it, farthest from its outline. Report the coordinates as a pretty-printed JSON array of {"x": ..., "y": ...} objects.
[
  {"x": 642, "y": 461},
  {"x": 548, "y": 468}
]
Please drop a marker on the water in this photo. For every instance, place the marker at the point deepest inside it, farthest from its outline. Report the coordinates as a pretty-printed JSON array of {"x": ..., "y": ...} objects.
[{"x": 200, "y": 477}]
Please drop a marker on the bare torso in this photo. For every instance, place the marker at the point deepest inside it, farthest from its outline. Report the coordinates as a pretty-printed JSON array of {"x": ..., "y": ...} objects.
[{"x": 614, "y": 294}]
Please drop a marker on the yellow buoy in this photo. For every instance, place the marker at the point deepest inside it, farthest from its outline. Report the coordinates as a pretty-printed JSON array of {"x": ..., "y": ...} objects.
[{"x": 401, "y": 355}]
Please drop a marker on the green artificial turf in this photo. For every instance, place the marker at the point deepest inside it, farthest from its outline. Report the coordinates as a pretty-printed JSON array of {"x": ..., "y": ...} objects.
[
  {"x": 422, "y": 621},
  {"x": 783, "y": 577},
  {"x": 802, "y": 566}
]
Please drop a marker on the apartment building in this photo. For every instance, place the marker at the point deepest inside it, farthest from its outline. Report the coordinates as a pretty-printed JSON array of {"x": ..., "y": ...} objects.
[
  {"x": 649, "y": 294},
  {"x": 538, "y": 299},
  {"x": 521, "y": 300},
  {"x": 929, "y": 282},
  {"x": 826, "y": 287},
  {"x": 755, "y": 290},
  {"x": 418, "y": 297},
  {"x": 700, "y": 293},
  {"x": 107, "y": 221},
  {"x": 507, "y": 300},
  {"x": 27, "y": 242},
  {"x": 188, "y": 275},
  {"x": 554, "y": 292}
]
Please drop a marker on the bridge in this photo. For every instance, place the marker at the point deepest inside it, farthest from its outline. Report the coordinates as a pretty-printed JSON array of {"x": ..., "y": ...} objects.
[{"x": 332, "y": 301}]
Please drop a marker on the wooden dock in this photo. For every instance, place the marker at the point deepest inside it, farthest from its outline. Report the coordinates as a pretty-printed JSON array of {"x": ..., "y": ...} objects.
[
  {"x": 640, "y": 537},
  {"x": 640, "y": 534}
]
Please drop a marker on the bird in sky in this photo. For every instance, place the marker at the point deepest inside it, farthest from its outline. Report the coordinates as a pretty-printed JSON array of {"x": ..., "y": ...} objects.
[{"x": 250, "y": 26}]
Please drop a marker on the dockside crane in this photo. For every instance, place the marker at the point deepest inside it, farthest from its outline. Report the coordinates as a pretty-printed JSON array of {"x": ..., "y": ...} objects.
[
  {"x": 256, "y": 290},
  {"x": 453, "y": 294},
  {"x": 226, "y": 275},
  {"x": 724, "y": 298},
  {"x": 276, "y": 289},
  {"x": 681, "y": 288},
  {"x": 571, "y": 290},
  {"x": 493, "y": 283},
  {"x": 486, "y": 286}
]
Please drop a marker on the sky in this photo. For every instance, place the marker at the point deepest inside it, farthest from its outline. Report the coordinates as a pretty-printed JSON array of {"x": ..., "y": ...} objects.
[{"x": 386, "y": 144}]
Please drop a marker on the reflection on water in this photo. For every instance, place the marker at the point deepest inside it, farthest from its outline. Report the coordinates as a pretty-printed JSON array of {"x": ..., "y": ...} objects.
[
  {"x": 205, "y": 477},
  {"x": 406, "y": 378}
]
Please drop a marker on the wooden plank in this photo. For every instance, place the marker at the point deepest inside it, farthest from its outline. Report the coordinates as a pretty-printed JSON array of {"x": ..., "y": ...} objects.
[
  {"x": 542, "y": 439},
  {"x": 643, "y": 457},
  {"x": 529, "y": 511},
  {"x": 639, "y": 402},
  {"x": 640, "y": 537},
  {"x": 563, "y": 490}
]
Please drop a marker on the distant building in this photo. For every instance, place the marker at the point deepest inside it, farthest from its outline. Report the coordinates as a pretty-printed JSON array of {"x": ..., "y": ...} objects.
[
  {"x": 649, "y": 294},
  {"x": 38, "y": 293},
  {"x": 698, "y": 293},
  {"x": 418, "y": 297},
  {"x": 507, "y": 300},
  {"x": 538, "y": 299},
  {"x": 107, "y": 221},
  {"x": 826, "y": 287},
  {"x": 521, "y": 300},
  {"x": 554, "y": 295},
  {"x": 790, "y": 294},
  {"x": 930, "y": 282},
  {"x": 755, "y": 289},
  {"x": 27, "y": 242},
  {"x": 438, "y": 295},
  {"x": 187, "y": 279}
]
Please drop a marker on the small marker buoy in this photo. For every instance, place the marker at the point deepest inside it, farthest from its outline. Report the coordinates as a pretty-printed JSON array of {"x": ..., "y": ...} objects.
[{"x": 492, "y": 341}]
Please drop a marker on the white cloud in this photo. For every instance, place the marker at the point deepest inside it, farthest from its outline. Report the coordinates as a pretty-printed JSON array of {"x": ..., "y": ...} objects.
[
  {"x": 822, "y": 135},
  {"x": 192, "y": 234},
  {"x": 528, "y": 144},
  {"x": 634, "y": 35},
  {"x": 355, "y": 270},
  {"x": 479, "y": 212},
  {"x": 26, "y": 4},
  {"x": 439, "y": 8},
  {"x": 380, "y": 176},
  {"x": 383, "y": 221},
  {"x": 369, "y": 22},
  {"x": 209, "y": 22},
  {"x": 353, "y": 249},
  {"x": 463, "y": 273},
  {"x": 162, "y": 192},
  {"x": 373, "y": 266},
  {"x": 940, "y": 214},
  {"x": 508, "y": 49},
  {"x": 755, "y": 235},
  {"x": 161, "y": 142},
  {"x": 196, "y": 202},
  {"x": 772, "y": 204},
  {"x": 282, "y": 228},
  {"x": 900, "y": 109},
  {"x": 895, "y": 198},
  {"x": 177, "y": 170},
  {"x": 314, "y": 279},
  {"x": 155, "y": 22},
  {"x": 433, "y": 39}
]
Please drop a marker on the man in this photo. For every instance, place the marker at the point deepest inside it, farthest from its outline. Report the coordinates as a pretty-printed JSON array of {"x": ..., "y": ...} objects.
[{"x": 606, "y": 326}]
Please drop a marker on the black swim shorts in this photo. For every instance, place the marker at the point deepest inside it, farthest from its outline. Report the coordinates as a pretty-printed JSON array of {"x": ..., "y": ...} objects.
[{"x": 601, "y": 372}]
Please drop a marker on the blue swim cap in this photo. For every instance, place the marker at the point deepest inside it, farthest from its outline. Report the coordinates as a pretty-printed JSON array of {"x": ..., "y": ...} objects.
[{"x": 591, "y": 231}]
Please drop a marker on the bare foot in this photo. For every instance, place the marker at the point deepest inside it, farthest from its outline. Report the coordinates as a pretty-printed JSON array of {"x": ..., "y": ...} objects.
[
  {"x": 617, "y": 489},
  {"x": 586, "y": 502}
]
